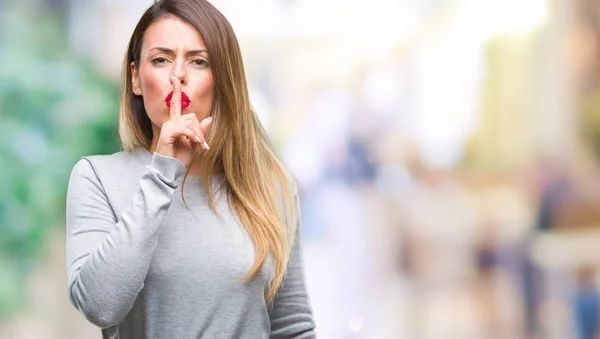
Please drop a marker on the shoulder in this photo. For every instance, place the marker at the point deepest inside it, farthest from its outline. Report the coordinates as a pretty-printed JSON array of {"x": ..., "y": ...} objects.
[
  {"x": 115, "y": 160},
  {"x": 120, "y": 164},
  {"x": 110, "y": 176}
]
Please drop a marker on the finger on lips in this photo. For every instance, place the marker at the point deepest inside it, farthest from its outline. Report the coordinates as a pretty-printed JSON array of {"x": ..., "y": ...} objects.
[
  {"x": 175, "y": 109},
  {"x": 199, "y": 128}
]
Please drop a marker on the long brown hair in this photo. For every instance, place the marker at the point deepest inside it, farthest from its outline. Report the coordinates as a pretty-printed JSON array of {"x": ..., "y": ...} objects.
[{"x": 258, "y": 186}]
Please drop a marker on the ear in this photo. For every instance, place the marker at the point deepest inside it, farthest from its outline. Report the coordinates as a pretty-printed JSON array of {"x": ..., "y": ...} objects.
[{"x": 135, "y": 80}]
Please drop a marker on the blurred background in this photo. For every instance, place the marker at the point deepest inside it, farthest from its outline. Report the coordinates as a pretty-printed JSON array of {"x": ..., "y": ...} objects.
[{"x": 448, "y": 152}]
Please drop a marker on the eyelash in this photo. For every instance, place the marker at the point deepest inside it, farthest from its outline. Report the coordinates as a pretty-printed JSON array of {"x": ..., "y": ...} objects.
[
  {"x": 200, "y": 62},
  {"x": 197, "y": 62},
  {"x": 158, "y": 60}
]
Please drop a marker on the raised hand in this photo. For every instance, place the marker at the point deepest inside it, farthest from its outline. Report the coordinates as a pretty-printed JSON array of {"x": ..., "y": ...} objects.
[{"x": 181, "y": 133}]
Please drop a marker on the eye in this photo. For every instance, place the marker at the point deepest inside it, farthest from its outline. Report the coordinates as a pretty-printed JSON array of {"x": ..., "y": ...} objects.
[
  {"x": 200, "y": 62},
  {"x": 159, "y": 61}
]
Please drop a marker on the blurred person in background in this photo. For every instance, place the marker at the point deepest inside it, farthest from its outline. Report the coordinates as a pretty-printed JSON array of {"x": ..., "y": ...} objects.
[
  {"x": 487, "y": 266},
  {"x": 222, "y": 258},
  {"x": 586, "y": 305},
  {"x": 552, "y": 188}
]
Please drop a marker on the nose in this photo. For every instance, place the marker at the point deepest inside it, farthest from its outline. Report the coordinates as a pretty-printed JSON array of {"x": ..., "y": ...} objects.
[{"x": 179, "y": 72}]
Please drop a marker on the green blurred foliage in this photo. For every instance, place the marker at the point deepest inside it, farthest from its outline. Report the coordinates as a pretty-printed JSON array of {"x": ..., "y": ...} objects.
[{"x": 55, "y": 107}]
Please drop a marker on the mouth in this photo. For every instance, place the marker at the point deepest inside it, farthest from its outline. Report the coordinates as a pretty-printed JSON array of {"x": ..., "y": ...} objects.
[{"x": 185, "y": 100}]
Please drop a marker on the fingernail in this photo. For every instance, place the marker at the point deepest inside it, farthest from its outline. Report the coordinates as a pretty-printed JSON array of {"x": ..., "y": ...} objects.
[
  {"x": 198, "y": 139},
  {"x": 209, "y": 119},
  {"x": 205, "y": 144}
]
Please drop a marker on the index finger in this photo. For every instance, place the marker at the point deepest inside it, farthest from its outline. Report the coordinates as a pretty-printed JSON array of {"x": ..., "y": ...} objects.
[{"x": 175, "y": 109}]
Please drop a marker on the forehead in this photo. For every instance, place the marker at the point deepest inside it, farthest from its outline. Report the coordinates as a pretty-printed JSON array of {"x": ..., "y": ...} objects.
[{"x": 173, "y": 33}]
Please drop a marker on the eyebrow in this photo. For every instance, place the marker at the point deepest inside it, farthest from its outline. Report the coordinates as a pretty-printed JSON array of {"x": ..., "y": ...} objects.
[{"x": 187, "y": 53}]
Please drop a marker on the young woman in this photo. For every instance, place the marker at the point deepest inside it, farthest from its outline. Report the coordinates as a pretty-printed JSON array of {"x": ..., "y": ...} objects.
[{"x": 221, "y": 258}]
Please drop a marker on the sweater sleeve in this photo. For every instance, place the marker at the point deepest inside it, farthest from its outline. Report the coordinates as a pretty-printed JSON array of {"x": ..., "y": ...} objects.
[
  {"x": 291, "y": 315},
  {"x": 108, "y": 256}
]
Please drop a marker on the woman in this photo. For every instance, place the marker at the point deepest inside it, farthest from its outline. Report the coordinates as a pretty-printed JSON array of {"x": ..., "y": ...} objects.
[{"x": 147, "y": 258}]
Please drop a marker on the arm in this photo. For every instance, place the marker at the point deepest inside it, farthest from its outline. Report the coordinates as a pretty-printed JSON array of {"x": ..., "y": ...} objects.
[
  {"x": 291, "y": 315},
  {"x": 108, "y": 256}
]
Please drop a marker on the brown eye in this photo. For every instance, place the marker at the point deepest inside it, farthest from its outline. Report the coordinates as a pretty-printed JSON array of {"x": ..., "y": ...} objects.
[
  {"x": 200, "y": 62},
  {"x": 159, "y": 61}
]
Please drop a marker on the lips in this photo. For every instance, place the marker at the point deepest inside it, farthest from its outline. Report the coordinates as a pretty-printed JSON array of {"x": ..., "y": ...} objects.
[{"x": 185, "y": 100}]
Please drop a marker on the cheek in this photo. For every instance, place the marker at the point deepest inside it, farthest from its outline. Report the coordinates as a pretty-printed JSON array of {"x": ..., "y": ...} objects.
[
  {"x": 154, "y": 97},
  {"x": 151, "y": 85},
  {"x": 203, "y": 92},
  {"x": 205, "y": 87}
]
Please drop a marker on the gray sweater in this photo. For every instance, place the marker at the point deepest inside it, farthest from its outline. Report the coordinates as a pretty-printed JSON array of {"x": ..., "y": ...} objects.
[{"x": 140, "y": 265}]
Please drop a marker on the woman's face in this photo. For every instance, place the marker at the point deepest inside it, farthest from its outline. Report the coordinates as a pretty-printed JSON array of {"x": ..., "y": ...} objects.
[{"x": 171, "y": 46}]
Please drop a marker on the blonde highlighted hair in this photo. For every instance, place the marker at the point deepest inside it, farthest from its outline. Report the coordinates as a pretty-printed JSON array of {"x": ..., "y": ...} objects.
[{"x": 257, "y": 185}]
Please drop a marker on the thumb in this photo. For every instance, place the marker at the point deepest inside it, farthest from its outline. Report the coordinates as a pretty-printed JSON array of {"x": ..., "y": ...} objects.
[{"x": 205, "y": 124}]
